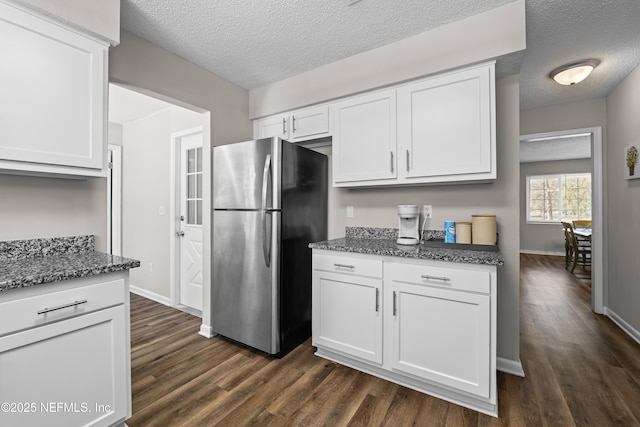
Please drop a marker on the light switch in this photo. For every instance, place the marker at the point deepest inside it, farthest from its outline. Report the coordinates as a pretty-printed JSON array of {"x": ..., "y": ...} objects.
[
  {"x": 349, "y": 211},
  {"x": 161, "y": 211}
]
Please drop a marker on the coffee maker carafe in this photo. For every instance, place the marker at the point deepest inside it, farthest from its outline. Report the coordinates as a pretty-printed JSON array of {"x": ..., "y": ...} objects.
[{"x": 408, "y": 219}]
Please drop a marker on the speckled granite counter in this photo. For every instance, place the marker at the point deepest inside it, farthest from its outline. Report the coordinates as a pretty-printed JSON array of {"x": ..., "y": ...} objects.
[
  {"x": 382, "y": 242},
  {"x": 38, "y": 261}
]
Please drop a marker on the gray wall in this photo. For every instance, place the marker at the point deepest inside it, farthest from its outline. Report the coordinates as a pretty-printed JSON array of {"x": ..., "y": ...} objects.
[
  {"x": 438, "y": 50},
  {"x": 544, "y": 238},
  {"x": 623, "y": 113},
  {"x": 146, "y": 185},
  {"x": 150, "y": 69}
]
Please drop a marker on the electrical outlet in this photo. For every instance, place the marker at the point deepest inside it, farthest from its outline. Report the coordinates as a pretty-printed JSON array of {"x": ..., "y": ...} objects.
[{"x": 427, "y": 211}]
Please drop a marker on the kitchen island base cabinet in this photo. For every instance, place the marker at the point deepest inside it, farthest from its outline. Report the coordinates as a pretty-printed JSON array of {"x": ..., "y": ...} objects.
[
  {"x": 68, "y": 366},
  {"x": 439, "y": 327}
]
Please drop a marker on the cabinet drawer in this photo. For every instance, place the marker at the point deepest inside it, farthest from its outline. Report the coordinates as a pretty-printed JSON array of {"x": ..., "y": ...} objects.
[
  {"x": 450, "y": 278},
  {"x": 348, "y": 265},
  {"x": 41, "y": 309}
]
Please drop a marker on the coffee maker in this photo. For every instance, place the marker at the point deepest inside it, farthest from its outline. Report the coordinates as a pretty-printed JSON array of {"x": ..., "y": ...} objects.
[{"x": 408, "y": 230}]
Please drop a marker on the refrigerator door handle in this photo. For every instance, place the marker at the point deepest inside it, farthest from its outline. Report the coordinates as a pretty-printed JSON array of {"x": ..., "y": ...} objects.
[{"x": 266, "y": 241}]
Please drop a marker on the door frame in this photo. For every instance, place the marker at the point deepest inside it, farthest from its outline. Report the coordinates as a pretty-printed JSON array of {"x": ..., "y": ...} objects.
[
  {"x": 114, "y": 200},
  {"x": 174, "y": 210},
  {"x": 599, "y": 262}
]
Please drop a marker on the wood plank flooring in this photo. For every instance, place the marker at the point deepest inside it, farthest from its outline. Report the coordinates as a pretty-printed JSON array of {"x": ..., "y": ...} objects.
[{"x": 581, "y": 370}]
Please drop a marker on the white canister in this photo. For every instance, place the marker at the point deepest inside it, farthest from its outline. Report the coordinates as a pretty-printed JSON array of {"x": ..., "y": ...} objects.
[
  {"x": 463, "y": 232},
  {"x": 483, "y": 229}
]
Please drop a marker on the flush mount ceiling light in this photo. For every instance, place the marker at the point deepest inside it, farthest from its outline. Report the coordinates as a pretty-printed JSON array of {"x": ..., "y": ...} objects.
[{"x": 574, "y": 73}]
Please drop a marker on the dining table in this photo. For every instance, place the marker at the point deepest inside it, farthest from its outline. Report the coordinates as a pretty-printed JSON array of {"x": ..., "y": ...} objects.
[{"x": 582, "y": 233}]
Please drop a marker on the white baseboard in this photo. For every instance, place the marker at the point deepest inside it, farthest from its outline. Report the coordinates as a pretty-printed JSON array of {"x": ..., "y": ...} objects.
[
  {"x": 206, "y": 331},
  {"x": 534, "y": 252},
  {"x": 151, "y": 295},
  {"x": 630, "y": 330},
  {"x": 508, "y": 366}
]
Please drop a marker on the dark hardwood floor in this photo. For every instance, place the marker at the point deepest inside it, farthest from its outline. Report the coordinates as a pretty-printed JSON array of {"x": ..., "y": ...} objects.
[{"x": 580, "y": 370}]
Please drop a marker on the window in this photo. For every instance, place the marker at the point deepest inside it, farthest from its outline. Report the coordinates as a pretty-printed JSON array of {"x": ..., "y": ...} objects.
[{"x": 555, "y": 198}]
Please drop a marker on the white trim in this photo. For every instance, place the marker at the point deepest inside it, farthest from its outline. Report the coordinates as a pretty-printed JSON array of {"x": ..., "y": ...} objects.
[
  {"x": 508, "y": 366},
  {"x": 206, "y": 331},
  {"x": 630, "y": 330},
  {"x": 150, "y": 295},
  {"x": 174, "y": 209},
  {"x": 114, "y": 203},
  {"x": 598, "y": 201},
  {"x": 534, "y": 252}
]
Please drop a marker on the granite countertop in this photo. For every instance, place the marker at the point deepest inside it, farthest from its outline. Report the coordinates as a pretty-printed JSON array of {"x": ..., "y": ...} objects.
[
  {"x": 39, "y": 261},
  {"x": 383, "y": 242}
]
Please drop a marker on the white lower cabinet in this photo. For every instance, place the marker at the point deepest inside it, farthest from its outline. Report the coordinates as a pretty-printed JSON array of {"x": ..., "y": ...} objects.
[
  {"x": 68, "y": 362},
  {"x": 347, "y": 299},
  {"x": 438, "y": 330},
  {"x": 434, "y": 329}
]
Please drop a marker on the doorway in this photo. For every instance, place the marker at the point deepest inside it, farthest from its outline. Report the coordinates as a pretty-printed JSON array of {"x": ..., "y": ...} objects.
[
  {"x": 186, "y": 210},
  {"x": 597, "y": 206}
]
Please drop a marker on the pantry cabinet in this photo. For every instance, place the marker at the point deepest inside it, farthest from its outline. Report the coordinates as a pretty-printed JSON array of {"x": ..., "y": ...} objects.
[
  {"x": 433, "y": 330},
  {"x": 53, "y": 82},
  {"x": 446, "y": 129},
  {"x": 295, "y": 126},
  {"x": 363, "y": 130},
  {"x": 347, "y": 306}
]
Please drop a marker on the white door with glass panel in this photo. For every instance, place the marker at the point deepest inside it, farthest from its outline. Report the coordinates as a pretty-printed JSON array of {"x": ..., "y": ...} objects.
[{"x": 190, "y": 224}]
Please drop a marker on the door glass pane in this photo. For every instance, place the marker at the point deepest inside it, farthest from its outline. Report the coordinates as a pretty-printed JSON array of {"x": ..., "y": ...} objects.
[
  {"x": 191, "y": 186},
  {"x": 193, "y": 180},
  {"x": 191, "y": 160},
  {"x": 191, "y": 212}
]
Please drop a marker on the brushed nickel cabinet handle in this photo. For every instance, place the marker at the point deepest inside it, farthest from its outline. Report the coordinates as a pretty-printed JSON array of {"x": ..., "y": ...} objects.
[
  {"x": 351, "y": 267},
  {"x": 391, "y": 162},
  {"x": 284, "y": 126},
  {"x": 427, "y": 277},
  {"x": 377, "y": 300},
  {"x": 408, "y": 161},
  {"x": 293, "y": 124},
  {"x": 395, "y": 310},
  {"x": 60, "y": 307}
]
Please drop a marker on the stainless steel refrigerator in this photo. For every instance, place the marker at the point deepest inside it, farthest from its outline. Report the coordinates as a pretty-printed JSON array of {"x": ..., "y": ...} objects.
[{"x": 269, "y": 202}]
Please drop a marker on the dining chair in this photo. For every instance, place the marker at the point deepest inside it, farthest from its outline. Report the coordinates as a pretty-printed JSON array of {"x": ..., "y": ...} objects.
[
  {"x": 576, "y": 252},
  {"x": 582, "y": 223}
]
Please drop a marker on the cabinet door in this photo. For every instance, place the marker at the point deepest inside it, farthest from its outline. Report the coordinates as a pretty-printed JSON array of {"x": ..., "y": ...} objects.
[
  {"x": 71, "y": 373},
  {"x": 441, "y": 335},
  {"x": 364, "y": 139},
  {"x": 272, "y": 126},
  {"x": 308, "y": 123},
  {"x": 445, "y": 127},
  {"x": 347, "y": 315},
  {"x": 53, "y": 86}
]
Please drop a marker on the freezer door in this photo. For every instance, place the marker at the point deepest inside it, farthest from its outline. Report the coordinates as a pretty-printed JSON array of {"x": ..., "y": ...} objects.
[
  {"x": 245, "y": 277},
  {"x": 246, "y": 173}
]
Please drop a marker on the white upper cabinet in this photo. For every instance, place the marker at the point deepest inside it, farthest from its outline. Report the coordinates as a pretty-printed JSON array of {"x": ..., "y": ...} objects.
[
  {"x": 363, "y": 131},
  {"x": 439, "y": 129},
  {"x": 53, "y": 82},
  {"x": 300, "y": 125},
  {"x": 446, "y": 128}
]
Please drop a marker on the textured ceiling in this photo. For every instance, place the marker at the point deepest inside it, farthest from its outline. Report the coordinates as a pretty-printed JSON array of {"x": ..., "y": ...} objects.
[{"x": 252, "y": 42}]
